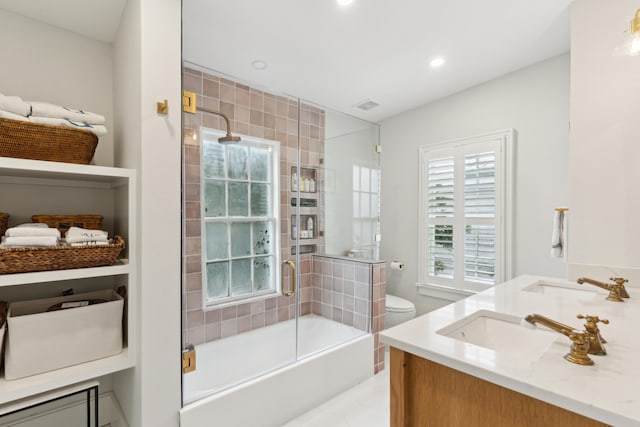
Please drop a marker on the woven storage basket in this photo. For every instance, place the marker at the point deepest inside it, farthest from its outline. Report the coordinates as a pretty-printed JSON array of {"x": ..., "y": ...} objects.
[
  {"x": 22, "y": 260},
  {"x": 4, "y": 220},
  {"x": 64, "y": 222},
  {"x": 36, "y": 141}
]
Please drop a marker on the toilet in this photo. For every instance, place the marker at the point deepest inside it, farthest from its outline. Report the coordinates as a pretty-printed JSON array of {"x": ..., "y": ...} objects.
[{"x": 397, "y": 310}]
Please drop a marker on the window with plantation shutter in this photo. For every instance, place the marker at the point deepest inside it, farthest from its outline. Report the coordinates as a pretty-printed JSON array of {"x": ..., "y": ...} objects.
[{"x": 465, "y": 212}]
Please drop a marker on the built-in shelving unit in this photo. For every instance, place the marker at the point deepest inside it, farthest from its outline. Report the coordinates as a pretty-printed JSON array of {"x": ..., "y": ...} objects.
[{"x": 30, "y": 187}]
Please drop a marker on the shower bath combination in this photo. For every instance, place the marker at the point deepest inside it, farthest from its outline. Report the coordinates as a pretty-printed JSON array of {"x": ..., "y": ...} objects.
[{"x": 251, "y": 333}]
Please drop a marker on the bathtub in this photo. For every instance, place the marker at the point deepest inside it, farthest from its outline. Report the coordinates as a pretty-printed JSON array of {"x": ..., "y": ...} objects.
[{"x": 332, "y": 357}]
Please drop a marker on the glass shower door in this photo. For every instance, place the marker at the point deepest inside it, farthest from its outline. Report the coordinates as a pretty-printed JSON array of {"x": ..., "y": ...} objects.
[{"x": 240, "y": 316}]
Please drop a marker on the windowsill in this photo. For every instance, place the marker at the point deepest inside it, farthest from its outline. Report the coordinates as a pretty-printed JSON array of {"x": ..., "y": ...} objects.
[{"x": 443, "y": 292}]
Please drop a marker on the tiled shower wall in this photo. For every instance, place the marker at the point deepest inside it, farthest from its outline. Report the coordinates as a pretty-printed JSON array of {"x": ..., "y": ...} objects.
[
  {"x": 264, "y": 115},
  {"x": 351, "y": 292}
]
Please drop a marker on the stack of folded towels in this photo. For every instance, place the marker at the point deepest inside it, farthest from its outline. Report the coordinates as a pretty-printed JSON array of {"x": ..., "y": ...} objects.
[
  {"x": 13, "y": 107},
  {"x": 76, "y": 236},
  {"x": 29, "y": 235}
]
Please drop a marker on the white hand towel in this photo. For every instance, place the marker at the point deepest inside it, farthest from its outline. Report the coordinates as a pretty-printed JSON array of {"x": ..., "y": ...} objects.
[
  {"x": 99, "y": 130},
  {"x": 28, "y": 241},
  {"x": 94, "y": 243},
  {"x": 32, "y": 231},
  {"x": 44, "y": 109},
  {"x": 558, "y": 235},
  {"x": 33, "y": 225},
  {"x": 13, "y": 116},
  {"x": 15, "y": 105},
  {"x": 79, "y": 235}
]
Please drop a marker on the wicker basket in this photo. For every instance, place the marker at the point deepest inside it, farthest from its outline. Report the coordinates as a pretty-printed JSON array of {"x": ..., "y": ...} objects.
[
  {"x": 35, "y": 141},
  {"x": 64, "y": 222},
  {"x": 4, "y": 220},
  {"x": 22, "y": 260}
]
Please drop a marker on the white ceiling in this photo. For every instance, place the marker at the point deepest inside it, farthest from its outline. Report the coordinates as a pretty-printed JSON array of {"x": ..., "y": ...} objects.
[
  {"x": 96, "y": 19},
  {"x": 339, "y": 56},
  {"x": 379, "y": 49}
]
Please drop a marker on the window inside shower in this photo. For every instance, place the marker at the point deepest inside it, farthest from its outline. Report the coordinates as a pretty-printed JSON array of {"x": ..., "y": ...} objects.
[{"x": 239, "y": 219}]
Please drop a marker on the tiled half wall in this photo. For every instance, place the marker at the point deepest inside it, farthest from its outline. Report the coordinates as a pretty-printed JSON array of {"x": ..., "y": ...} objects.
[{"x": 351, "y": 291}]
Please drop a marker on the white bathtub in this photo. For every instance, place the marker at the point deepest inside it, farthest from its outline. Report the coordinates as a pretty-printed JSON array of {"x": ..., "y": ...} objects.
[{"x": 333, "y": 357}]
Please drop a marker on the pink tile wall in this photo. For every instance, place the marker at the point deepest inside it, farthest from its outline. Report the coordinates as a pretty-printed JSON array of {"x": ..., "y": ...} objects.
[{"x": 264, "y": 115}]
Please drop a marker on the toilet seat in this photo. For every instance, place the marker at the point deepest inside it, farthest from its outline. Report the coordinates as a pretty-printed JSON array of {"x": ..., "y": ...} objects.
[{"x": 398, "y": 305}]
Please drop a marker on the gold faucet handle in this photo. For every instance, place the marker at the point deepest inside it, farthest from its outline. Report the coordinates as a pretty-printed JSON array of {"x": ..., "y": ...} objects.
[
  {"x": 592, "y": 321},
  {"x": 591, "y": 325},
  {"x": 619, "y": 284},
  {"x": 619, "y": 280}
]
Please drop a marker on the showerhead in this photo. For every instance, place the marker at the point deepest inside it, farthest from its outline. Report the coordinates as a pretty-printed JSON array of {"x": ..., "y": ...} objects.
[
  {"x": 189, "y": 106},
  {"x": 229, "y": 139}
]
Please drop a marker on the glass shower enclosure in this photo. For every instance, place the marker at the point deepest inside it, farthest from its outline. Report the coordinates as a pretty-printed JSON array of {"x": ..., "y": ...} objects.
[{"x": 267, "y": 224}]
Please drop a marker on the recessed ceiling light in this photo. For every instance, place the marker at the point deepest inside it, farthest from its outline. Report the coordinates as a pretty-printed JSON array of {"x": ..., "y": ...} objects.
[
  {"x": 344, "y": 2},
  {"x": 259, "y": 65},
  {"x": 436, "y": 62}
]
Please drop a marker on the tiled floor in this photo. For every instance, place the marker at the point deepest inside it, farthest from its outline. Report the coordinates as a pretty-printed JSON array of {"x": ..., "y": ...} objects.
[{"x": 365, "y": 405}]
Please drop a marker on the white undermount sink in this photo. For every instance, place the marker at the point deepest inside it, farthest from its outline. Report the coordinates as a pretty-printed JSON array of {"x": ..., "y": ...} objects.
[
  {"x": 571, "y": 290},
  {"x": 500, "y": 332}
]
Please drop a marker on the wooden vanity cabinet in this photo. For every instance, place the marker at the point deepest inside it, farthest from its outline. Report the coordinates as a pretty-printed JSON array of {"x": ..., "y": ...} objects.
[{"x": 425, "y": 393}]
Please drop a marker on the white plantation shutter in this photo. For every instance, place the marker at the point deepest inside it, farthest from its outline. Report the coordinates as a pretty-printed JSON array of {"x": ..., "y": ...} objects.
[
  {"x": 440, "y": 187},
  {"x": 480, "y": 185},
  {"x": 463, "y": 190}
]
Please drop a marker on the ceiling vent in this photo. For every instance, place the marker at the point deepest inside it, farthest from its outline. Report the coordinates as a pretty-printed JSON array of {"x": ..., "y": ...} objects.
[{"x": 366, "y": 105}]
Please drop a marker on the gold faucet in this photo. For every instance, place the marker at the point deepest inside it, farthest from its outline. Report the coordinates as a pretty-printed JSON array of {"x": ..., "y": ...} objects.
[
  {"x": 580, "y": 339},
  {"x": 617, "y": 291},
  {"x": 595, "y": 339}
]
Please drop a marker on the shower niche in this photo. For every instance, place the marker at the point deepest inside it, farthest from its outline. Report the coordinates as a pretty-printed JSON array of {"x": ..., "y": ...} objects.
[
  {"x": 308, "y": 227},
  {"x": 306, "y": 180}
]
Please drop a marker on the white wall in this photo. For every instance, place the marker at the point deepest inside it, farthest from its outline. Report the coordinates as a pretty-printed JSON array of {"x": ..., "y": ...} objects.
[
  {"x": 605, "y": 137},
  {"x": 533, "y": 101},
  {"x": 148, "y": 52},
  {"x": 45, "y": 63}
]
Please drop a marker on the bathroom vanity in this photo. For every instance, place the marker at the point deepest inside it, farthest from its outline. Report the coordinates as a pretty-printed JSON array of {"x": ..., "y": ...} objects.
[{"x": 475, "y": 362}]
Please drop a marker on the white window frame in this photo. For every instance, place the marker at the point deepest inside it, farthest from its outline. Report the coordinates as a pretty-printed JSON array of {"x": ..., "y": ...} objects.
[
  {"x": 504, "y": 141},
  {"x": 274, "y": 219}
]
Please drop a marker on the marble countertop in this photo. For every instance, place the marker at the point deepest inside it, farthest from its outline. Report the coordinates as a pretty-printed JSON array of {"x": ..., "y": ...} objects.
[{"x": 608, "y": 391}]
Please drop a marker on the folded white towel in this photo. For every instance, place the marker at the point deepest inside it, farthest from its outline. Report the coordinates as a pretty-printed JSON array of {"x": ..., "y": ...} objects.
[
  {"x": 28, "y": 241},
  {"x": 33, "y": 225},
  {"x": 79, "y": 235},
  {"x": 13, "y": 116},
  {"x": 32, "y": 231},
  {"x": 96, "y": 243},
  {"x": 99, "y": 130},
  {"x": 15, "y": 105},
  {"x": 558, "y": 235},
  {"x": 44, "y": 109}
]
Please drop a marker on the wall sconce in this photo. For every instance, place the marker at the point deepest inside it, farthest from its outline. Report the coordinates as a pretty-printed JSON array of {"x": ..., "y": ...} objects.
[{"x": 631, "y": 46}]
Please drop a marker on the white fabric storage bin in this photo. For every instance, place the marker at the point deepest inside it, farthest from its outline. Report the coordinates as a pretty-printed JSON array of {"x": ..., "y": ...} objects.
[{"x": 39, "y": 340}]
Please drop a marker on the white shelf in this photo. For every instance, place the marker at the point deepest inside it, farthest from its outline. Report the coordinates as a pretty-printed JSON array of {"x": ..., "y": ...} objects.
[
  {"x": 35, "y": 384},
  {"x": 37, "y": 186},
  {"x": 122, "y": 267},
  {"x": 22, "y": 168}
]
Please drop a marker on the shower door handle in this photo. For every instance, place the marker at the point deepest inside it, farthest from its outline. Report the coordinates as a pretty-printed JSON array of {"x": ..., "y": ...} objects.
[{"x": 292, "y": 290}]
